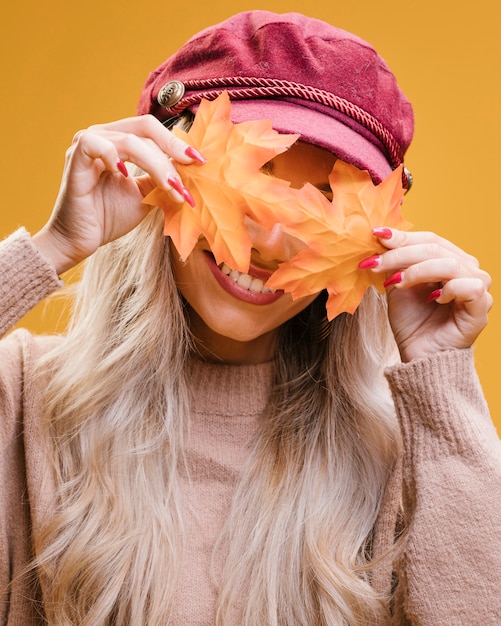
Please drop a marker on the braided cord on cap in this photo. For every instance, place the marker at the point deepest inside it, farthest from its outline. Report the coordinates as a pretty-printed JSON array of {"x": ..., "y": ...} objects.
[{"x": 243, "y": 87}]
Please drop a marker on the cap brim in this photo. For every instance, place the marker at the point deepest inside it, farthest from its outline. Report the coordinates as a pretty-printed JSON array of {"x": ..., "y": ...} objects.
[{"x": 316, "y": 128}]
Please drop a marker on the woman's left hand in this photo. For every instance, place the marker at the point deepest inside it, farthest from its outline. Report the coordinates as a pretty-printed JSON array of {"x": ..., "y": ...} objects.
[{"x": 438, "y": 296}]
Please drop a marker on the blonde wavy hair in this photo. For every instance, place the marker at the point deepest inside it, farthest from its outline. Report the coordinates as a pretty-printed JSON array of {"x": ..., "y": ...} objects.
[{"x": 298, "y": 536}]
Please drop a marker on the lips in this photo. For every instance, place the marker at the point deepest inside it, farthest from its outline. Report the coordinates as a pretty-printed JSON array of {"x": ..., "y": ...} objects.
[{"x": 247, "y": 287}]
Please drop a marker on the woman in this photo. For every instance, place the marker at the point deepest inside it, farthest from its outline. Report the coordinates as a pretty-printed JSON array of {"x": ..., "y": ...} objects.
[{"x": 195, "y": 451}]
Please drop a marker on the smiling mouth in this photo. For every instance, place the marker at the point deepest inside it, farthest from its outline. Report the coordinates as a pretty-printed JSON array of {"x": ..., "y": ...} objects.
[{"x": 246, "y": 281}]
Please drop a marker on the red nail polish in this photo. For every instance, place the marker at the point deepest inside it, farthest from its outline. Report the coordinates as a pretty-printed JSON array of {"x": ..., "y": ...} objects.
[
  {"x": 394, "y": 279},
  {"x": 176, "y": 184},
  {"x": 434, "y": 295},
  {"x": 188, "y": 197},
  {"x": 193, "y": 153},
  {"x": 370, "y": 262},
  {"x": 122, "y": 168},
  {"x": 382, "y": 232}
]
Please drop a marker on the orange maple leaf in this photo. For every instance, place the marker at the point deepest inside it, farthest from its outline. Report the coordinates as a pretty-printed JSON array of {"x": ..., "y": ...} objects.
[
  {"x": 228, "y": 187},
  {"x": 338, "y": 236}
]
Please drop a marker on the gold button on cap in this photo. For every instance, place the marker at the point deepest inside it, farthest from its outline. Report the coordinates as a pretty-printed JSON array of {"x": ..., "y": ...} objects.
[{"x": 170, "y": 93}]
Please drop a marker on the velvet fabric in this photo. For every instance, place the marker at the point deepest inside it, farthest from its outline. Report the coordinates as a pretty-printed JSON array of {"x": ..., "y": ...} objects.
[{"x": 307, "y": 51}]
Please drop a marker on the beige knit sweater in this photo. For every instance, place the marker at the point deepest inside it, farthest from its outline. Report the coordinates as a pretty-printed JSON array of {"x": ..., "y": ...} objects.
[{"x": 449, "y": 476}]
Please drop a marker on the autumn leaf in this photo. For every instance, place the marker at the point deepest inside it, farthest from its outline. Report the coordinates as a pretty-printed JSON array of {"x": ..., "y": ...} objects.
[
  {"x": 228, "y": 187},
  {"x": 338, "y": 236}
]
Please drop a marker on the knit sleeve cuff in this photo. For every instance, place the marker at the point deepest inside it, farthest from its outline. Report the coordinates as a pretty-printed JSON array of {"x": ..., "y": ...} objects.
[
  {"x": 441, "y": 406},
  {"x": 25, "y": 278}
]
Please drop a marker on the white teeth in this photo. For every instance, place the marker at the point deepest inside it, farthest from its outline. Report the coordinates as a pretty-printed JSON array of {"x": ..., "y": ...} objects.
[
  {"x": 256, "y": 285},
  {"x": 246, "y": 281}
]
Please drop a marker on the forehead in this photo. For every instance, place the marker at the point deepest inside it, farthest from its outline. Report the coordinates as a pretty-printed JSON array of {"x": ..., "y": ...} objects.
[{"x": 304, "y": 161}]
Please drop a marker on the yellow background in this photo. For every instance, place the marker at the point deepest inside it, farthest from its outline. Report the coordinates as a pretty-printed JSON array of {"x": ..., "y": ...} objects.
[{"x": 68, "y": 65}]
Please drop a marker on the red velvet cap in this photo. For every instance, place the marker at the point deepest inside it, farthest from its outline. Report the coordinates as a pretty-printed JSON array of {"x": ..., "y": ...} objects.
[{"x": 305, "y": 75}]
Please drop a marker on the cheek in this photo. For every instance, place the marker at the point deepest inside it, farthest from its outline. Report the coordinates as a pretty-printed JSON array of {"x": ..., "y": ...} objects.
[
  {"x": 222, "y": 313},
  {"x": 180, "y": 268},
  {"x": 186, "y": 277}
]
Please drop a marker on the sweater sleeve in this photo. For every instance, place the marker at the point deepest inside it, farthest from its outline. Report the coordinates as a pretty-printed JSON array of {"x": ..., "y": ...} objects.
[
  {"x": 450, "y": 570},
  {"x": 25, "y": 278}
]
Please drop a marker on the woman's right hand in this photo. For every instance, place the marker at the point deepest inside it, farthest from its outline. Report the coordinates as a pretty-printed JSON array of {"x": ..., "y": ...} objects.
[{"x": 97, "y": 201}]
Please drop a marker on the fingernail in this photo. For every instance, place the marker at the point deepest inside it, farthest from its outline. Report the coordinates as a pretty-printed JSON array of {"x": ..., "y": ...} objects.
[
  {"x": 176, "y": 184},
  {"x": 193, "y": 153},
  {"x": 382, "y": 232},
  {"x": 434, "y": 295},
  {"x": 370, "y": 262},
  {"x": 122, "y": 168},
  {"x": 394, "y": 279},
  {"x": 188, "y": 197}
]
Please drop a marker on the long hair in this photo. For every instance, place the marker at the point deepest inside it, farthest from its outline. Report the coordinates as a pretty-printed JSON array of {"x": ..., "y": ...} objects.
[
  {"x": 298, "y": 535},
  {"x": 300, "y": 531}
]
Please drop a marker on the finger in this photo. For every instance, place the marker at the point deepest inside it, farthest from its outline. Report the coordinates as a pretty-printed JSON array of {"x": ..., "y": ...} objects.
[
  {"x": 89, "y": 150},
  {"x": 108, "y": 145},
  {"x": 393, "y": 238},
  {"x": 465, "y": 290},
  {"x": 148, "y": 127},
  {"x": 146, "y": 184},
  {"x": 470, "y": 293},
  {"x": 401, "y": 258},
  {"x": 437, "y": 271}
]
